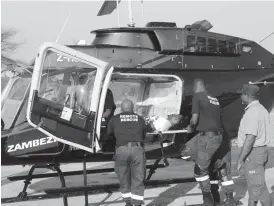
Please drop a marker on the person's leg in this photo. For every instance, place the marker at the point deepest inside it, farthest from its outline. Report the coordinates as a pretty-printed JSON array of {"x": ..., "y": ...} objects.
[
  {"x": 137, "y": 169},
  {"x": 206, "y": 147},
  {"x": 255, "y": 175},
  {"x": 122, "y": 169},
  {"x": 189, "y": 150}
]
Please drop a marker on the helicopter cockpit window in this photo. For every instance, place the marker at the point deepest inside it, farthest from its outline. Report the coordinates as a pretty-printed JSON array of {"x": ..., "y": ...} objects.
[
  {"x": 14, "y": 100},
  {"x": 67, "y": 82},
  {"x": 212, "y": 45},
  {"x": 246, "y": 48},
  {"x": 191, "y": 43},
  {"x": 201, "y": 44}
]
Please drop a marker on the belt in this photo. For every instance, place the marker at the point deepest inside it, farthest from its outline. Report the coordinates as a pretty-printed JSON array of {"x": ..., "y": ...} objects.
[{"x": 211, "y": 133}]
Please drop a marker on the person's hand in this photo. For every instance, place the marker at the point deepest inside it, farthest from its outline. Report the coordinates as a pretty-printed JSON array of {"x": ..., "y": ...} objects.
[
  {"x": 189, "y": 129},
  {"x": 239, "y": 165}
]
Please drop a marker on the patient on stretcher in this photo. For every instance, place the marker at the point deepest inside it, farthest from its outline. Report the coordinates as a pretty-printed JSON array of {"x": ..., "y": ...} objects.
[{"x": 161, "y": 124}]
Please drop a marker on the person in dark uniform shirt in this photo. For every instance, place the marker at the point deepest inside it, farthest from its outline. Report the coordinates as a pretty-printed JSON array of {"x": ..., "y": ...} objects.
[
  {"x": 130, "y": 164},
  {"x": 220, "y": 166},
  {"x": 206, "y": 119}
]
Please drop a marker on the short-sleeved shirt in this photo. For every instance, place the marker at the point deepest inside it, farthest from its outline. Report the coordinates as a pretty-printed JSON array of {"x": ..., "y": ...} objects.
[
  {"x": 127, "y": 127},
  {"x": 109, "y": 102},
  {"x": 208, "y": 108},
  {"x": 255, "y": 121}
]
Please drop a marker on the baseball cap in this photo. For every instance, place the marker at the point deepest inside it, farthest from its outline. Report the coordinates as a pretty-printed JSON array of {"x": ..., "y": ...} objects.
[{"x": 249, "y": 89}]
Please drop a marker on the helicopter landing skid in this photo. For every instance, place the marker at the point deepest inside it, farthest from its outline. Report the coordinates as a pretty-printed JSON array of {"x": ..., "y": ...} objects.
[{"x": 55, "y": 167}]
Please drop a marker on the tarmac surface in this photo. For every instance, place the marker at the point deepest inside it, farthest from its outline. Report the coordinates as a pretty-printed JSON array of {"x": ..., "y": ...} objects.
[{"x": 187, "y": 193}]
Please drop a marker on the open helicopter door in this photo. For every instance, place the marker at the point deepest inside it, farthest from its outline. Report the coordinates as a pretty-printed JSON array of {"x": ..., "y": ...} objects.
[{"x": 64, "y": 95}]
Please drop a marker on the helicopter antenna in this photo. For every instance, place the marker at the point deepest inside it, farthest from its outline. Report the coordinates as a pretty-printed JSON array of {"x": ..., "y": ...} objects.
[
  {"x": 118, "y": 13},
  {"x": 63, "y": 28},
  {"x": 131, "y": 22},
  {"x": 142, "y": 5},
  {"x": 266, "y": 37}
]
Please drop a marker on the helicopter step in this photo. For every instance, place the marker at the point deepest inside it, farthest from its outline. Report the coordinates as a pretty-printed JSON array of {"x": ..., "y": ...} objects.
[
  {"x": 71, "y": 173},
  {"x": 22, "y": 196}
]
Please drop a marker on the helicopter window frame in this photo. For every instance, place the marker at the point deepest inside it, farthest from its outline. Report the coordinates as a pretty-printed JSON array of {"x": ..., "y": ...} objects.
[
  {"x": 212, "y": 45},
  {"x": 222, "y": 46},
  {"x": 106, "y": 85},
  {"x": 191, "y": 43},
  {"x": 201, "y": 44},
  {"x": 232, "y": 47}
]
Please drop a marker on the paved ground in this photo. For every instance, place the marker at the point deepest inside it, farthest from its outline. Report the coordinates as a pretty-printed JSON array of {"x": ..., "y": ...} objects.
[{"x": 172, "y": 195}]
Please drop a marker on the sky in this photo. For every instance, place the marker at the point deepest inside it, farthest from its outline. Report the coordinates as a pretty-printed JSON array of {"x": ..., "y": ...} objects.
[{"x": 41, "y": 21}]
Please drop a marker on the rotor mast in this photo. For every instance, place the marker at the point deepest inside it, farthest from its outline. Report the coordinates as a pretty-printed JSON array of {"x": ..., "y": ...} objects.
[{"x": 130, "y": 16}]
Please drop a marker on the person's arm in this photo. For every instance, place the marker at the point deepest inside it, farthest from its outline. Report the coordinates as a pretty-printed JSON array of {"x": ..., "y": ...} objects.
[
  {"x": 247, "y": 147},
  {"x": 250, "y": 128},
  {"x": 110, "y": 131},
  {"x": 107, "y": 113}
]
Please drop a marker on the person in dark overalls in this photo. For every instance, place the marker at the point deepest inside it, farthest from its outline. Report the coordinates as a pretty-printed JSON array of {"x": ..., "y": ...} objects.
[
  {"x": 206, "y": 118},
  {"x": 130, "y": 163},
  {"x": 219, "y": 168}
]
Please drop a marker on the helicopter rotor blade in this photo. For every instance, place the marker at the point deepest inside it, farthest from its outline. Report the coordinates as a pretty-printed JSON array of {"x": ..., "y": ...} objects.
[{"x": 108, "y": 7}]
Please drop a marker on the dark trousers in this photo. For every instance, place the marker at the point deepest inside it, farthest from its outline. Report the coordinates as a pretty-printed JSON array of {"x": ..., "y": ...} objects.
[
  {"x": 130, "y": 166},
  {"x": 206, "y": 147},
  {"x": 220, "y": 165}
]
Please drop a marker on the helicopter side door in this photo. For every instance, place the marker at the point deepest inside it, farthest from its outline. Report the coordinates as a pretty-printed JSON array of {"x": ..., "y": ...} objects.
[{"x": 65, "y": 93}]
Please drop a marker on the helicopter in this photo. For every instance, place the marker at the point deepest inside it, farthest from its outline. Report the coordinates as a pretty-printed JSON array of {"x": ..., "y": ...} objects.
[{"x": 154, "y": 66}]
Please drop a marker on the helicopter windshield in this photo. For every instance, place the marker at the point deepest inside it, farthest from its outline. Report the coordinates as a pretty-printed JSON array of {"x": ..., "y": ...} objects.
[{"x": 14, "y": 100}]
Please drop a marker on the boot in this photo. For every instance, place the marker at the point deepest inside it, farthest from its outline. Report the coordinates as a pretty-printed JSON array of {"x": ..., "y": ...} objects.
[
  {"x": 229, "y": 200},
  {"x": 208, "y": 199}
]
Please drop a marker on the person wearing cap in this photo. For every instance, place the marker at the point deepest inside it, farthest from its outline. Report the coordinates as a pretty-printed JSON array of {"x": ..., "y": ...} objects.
[
  {"x": 129, "y": 130},
  {"x": 206, "y": 118},
  {"x": 253, "y": 137}
]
